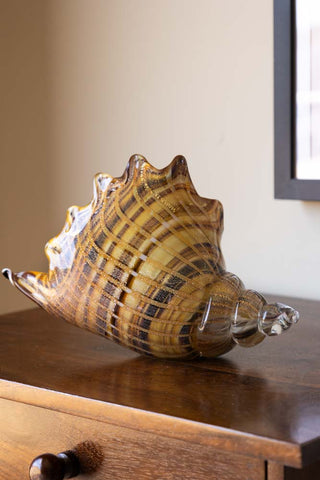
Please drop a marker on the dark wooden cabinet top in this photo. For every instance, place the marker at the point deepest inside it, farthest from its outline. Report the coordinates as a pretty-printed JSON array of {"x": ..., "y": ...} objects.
[{"x": 265, "y": 398}]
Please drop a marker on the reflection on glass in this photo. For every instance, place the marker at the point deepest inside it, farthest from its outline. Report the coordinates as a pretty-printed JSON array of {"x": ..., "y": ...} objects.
[{"x": 308, "y": 89}]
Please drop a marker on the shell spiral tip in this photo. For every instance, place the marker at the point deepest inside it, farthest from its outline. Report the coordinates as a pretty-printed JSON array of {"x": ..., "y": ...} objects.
[{"x": 276, "y": 318}]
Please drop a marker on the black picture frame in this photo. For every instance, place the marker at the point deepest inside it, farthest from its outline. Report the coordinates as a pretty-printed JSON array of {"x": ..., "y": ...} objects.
[{"x": 286, "y": 184}]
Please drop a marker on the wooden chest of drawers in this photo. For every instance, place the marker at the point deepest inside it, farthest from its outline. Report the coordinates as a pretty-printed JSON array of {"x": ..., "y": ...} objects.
[{"x": 254, "y": 414}]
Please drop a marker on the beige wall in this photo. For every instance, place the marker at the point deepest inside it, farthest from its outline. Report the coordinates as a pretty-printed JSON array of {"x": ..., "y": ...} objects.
[{"x": 87, "y": 83}]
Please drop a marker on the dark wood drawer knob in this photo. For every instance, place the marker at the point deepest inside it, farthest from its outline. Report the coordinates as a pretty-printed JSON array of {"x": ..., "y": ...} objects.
[
  {"x": 86, "y": 457},
  {"x": 54, "y": 467}
]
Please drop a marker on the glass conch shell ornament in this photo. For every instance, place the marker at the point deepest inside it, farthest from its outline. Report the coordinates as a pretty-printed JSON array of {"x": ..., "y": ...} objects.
[{"x": 142, "y": 265}]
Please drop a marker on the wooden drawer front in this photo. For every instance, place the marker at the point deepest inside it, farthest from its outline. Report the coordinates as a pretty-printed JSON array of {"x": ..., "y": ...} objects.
[{"x": 28, "y": 431}]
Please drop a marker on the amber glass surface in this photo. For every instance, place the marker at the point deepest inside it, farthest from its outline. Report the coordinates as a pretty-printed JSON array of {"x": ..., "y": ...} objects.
[{"x": 141, "y": 264}]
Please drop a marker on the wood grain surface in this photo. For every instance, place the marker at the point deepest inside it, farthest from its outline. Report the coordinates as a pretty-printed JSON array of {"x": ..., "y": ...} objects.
[
  {"x": 268, "y": 395},
  {"x": 128, "y": 454}
]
